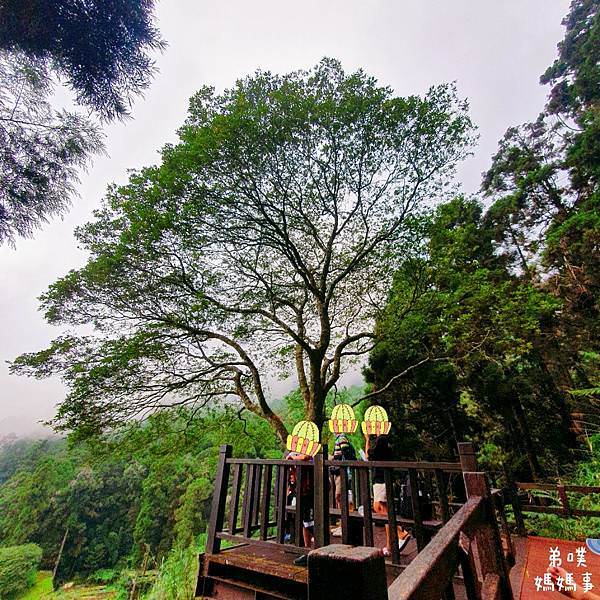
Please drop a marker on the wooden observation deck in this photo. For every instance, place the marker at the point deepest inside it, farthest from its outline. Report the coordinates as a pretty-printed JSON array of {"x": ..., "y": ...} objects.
[{"x": 461, "y": 546}]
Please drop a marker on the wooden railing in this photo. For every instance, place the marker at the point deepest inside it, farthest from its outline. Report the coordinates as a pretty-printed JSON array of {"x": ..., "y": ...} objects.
[
  {"x": 250, "y": 500},
  {"x": 562, "y": 507},
  {"x": 485, "y": 573}
]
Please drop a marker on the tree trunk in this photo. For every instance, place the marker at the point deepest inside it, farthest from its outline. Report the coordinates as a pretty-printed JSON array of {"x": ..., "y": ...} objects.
[
  {"x": 60, "y": 552},
  {"x": 555, "y": 380},
  {"x": 521, "y": 419}
]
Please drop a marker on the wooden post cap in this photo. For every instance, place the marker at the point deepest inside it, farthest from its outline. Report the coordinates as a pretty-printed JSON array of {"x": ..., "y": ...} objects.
[{"x": 342, "y": 571}]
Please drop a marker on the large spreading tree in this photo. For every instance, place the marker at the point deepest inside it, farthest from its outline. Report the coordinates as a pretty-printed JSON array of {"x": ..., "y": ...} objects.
[{"x": 263, "y": 245}]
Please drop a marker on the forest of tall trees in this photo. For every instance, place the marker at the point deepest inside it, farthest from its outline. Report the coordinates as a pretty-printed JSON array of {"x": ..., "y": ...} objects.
[{"x": 302, "y": 227}]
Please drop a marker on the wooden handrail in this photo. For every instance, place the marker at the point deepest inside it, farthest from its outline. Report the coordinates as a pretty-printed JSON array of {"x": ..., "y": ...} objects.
[
  {"x": 430, "y": 573},
  {"x": 564, "y": 508},
  {"x": 553, "y": 487},
  {"x": 251, "y": 499},
  {"x": 400, "y": 465}
]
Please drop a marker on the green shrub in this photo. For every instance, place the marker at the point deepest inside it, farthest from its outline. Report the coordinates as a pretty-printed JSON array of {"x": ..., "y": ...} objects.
[
  {"x": 177, "y": 576},
  {"x": 104, "y": 576},
  {"x": 18, "y": 568},
  {"x": 587, "y": 473}
]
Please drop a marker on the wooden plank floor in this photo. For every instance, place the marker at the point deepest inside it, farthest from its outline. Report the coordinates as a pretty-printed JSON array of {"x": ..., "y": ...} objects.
[
  {"x": 536, "y": 560},
  {"x": 270, "y": 561},
  {"x": 273, "y": 561}
]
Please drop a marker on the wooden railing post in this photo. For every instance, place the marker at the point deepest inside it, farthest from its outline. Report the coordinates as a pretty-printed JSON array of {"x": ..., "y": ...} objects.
[
  {"x": 321, "y": 497},
  {"x": 468, "y": 458},
  {"x": 564, "y": 500},
  {"x": 415, "y": 500},
  {"x": 516, "y": 504},
  {"x": 487, "y": 537},
  {"x": 346, "y": 572},
  {"x": 217, "y": 511},
  {"x": 498, "y": 502}
]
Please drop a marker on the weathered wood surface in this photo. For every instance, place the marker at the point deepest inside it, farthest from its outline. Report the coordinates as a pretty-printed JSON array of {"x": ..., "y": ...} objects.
[
  {"x": 321, "y": 499},
  {"x": 217, "y": 512},
  {"x": 265, "y": 501},
  {"x": 491, "y": 589},
  {"x": 487, "y": 535},
  {"x": 342, "y": 571},
  {"x": 429, "y": 574},
  {"x": 256, "y": 484},
  {"x": 398, "y": 465},
  {"x": 416, "y": 508},
  {"x": 468, "y": 457},
  {"x": 281, "y": 502},
  {"x": 564, "y": 509}
]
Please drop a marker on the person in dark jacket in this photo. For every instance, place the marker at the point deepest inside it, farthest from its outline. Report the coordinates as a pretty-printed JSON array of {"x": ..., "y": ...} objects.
[{"x": 306, "y": 492}]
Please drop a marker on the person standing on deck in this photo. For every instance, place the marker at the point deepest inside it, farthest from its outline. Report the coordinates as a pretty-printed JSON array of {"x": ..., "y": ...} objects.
[
  {"x": 306, "y": 504},
  {"x": 342, "y": 450},
  {"x": 303, "y": 444},
  {"x": 377, "y": 448}
]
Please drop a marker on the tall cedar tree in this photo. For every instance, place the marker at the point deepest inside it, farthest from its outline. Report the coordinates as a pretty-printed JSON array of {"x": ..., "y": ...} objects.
[{"x": 513, "y": 302}]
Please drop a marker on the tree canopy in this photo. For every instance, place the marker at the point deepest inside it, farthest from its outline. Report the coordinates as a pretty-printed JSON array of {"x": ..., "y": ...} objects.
[
  {"x": 263, "y": 245},
  {"x": 42, "y": 149},
  {"x": 509, "y": 296},
  {"x": 103, "y": 52},
  {"x": 102, "y": 49}
]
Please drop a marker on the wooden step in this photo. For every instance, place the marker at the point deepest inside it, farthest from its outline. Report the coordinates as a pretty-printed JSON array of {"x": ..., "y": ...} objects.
[
  {"x": 225, "y": 588},
  {"x": 260, "y": 573}
]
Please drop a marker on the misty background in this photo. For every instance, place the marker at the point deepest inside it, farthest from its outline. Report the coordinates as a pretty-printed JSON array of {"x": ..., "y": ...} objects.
[{"x": 495, "y": 51}]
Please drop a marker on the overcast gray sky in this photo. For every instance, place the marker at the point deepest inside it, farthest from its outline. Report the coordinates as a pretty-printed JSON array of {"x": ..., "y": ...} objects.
[{"x": 494, "y": 49}]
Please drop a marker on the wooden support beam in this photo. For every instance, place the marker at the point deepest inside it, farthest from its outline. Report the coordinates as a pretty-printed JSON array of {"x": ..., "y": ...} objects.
[
  {"x": 321, "y": 499},
  {"x": 300, "y": 474},
  {"x": 281, "y": 501},
  {"x": 516, "y": 504},
  {"x": 217, "y": 513},
  {"x": 487, "y": 536},
  {"x": 256, "y": 493},
  {"x": 249, "y": 500},
  {"x": 469, "y": 571},
  {"x": 468, "y": 457},
  {"x": 265, "y": 504},
  {"x": 344, "y": 506},
  {"x": 365, "y": 496},
  {"x": 428, "y": 575},
  {"x": 416, "y": 507},
  {"x": 564, "y": 500},
  {"x": 440, "y": 480},
  {"x": 234, "y": 501}
]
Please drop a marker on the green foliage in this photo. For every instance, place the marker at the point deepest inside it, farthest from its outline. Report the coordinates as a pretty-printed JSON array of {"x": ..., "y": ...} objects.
[
  {"x": 104, "y": 576},
  {"x": 141, "y": 491},
  {"x": 101, "y": 50},
  {"x": 487, "y": 328},
  {"x": 177, "y": 576},
  {"x": 586, "y": 474},
  {"x": 42, "y": 149},
  {"x": 41, "y": 590},
  {"x": 262, "y": 245},
  {"x": 475, "y": 328},
  {"x": 18, "y": 568}
]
